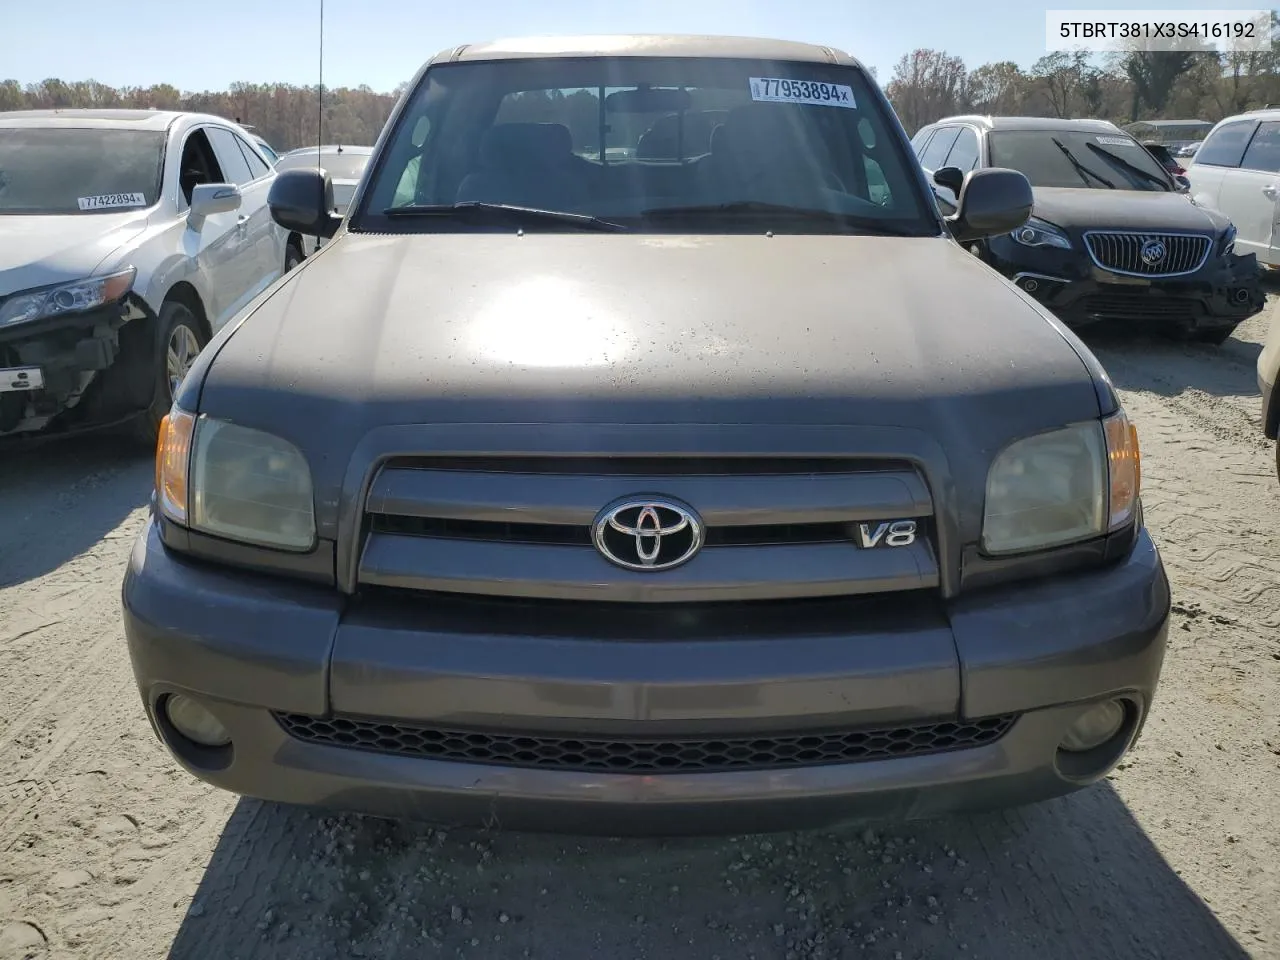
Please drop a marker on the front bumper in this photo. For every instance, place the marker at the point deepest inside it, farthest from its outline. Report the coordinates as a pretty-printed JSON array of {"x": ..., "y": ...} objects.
[
  {"x": 1038, "y": 653},
  {"x": 93, "y": 369},
  {"x": 1224, "y": 292}
]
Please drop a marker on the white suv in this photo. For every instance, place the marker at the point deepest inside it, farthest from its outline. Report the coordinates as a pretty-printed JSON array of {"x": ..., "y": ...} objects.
[
  {"x": 127, "y": 239},
  {"x": 1237, "y": 171}
]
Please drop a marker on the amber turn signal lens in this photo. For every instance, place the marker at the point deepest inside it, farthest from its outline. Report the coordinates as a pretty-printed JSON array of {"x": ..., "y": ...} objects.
[
  {"x": 173, "y": 459},
  {"x": 1124, "y": 463}
]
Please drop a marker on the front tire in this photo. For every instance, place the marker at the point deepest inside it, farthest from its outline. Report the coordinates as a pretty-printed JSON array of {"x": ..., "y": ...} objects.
[{"x": 179, "y": 341}]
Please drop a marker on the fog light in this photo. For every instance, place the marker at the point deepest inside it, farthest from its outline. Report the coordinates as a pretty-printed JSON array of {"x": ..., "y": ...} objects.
[
  {"x": 195, "y": 722},
  {"x": 1031, "y": 286},
  {"x": 1094, "y": 727}
]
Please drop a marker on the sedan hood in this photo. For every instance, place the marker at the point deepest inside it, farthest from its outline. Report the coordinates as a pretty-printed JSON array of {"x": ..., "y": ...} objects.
[
  {"x": 912, "y": 333},
  {"x": 36, "y": 251},
  {"x": 1137, "y": 210}
]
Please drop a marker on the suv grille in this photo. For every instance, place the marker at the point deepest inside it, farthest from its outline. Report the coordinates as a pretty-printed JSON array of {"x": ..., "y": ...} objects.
[
  {"x": 643, "y": 756},
  {"x": 521, "y": 526},
  {"x": 1122, "y": 252}
]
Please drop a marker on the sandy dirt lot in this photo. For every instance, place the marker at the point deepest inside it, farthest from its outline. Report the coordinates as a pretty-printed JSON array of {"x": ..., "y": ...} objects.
[{"x": 108, "y": 849}]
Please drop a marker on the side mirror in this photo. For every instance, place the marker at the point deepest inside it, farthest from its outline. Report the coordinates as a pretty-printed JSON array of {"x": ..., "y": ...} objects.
[
  {"x": 1181, "y": 183},
  {"x": 993, "y": 201},
  {"x": 210, "y": 198},
  {"x": 950, "y": 177},
  {"x": 302, "y": 201}
]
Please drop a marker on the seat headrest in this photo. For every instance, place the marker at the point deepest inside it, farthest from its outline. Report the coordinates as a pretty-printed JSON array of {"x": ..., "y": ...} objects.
[
  {"x": 772, "y": 125},
  {"x": 719, "y": 141},
  {"x": 516, "y": 144}
]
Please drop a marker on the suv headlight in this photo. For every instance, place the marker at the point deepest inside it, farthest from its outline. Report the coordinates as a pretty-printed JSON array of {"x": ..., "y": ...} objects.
[
  {"x": 1061, "y": 487},
  {"x": 234, "y": 482},
  {"x": 75, "y": 297},
  {"x": 1229, "y": 240},
  {"x": 1041, "y": 233}
]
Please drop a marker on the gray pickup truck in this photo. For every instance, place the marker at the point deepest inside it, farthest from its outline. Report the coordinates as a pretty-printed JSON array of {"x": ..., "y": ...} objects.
[{"x": 644, "y": 454}]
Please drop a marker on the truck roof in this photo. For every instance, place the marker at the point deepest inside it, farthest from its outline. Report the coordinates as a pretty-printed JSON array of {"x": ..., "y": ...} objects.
[{"x": 645, "y": 45}]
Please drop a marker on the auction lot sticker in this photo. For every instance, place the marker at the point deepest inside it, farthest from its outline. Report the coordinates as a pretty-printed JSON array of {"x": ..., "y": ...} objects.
[
  {"x": 107, "y": 201},
  {"x": 776, "y": 90}
]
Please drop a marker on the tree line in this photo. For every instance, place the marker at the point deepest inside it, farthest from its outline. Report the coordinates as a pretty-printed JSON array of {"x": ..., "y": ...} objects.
[
  {"x": 925, "y": 85},
  {"x": 285, "y": 115},
  {"x": 1122, "y": 87}
]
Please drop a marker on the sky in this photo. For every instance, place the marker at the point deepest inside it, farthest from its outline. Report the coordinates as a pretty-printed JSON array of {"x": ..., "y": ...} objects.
[{"x": 382, "y": 43}]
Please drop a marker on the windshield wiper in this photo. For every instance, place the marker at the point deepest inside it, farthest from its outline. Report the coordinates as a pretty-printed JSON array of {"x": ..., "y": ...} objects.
[
  {"x": 1150, "y": 177},
  {"x": 479, "y": 209},
  {"x": 759, "y": 208},
  {"x": 1080, "y": 168}
]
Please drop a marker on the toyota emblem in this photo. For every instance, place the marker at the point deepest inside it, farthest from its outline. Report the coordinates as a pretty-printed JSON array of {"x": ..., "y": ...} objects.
[{"x": 648, "y": 534}]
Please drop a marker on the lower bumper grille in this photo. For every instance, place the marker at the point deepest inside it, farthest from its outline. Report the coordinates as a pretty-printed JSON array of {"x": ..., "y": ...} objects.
[
  {"x": 1139, "y": 307},
  {"x": 671, "y": 755}
]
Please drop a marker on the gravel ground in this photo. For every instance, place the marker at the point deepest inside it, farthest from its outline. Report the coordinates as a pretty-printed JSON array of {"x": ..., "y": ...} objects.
[{"x": 108, "y": 849}]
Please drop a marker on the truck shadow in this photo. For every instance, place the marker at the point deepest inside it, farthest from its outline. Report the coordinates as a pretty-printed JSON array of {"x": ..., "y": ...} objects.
[
  {"x": 1072, "y": 878},
  {"x": 60, "y": 500}
]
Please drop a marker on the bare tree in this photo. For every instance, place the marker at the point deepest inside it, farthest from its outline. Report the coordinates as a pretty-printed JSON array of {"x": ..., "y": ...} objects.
[{"x": 926, "y": 85}]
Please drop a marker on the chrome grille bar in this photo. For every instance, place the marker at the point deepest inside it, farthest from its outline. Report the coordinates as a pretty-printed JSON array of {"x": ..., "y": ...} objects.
[{"x": 1122, "y": 252}]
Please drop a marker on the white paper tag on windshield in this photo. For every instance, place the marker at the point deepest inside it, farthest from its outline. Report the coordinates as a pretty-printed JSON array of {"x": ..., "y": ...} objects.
[
  {"x": 1116, "y": 141},
  {"x": 776, "y": 90},
  {"x": 108, "y": 200}
]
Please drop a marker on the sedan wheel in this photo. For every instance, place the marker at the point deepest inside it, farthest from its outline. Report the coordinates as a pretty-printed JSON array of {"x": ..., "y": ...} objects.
[{"x": 182, "y": 352}]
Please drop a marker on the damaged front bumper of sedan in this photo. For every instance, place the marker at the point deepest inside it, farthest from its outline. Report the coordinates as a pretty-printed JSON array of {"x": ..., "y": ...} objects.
[
  {"x": 77, "y": 372},
  {"x": 1215, "y": 298}
]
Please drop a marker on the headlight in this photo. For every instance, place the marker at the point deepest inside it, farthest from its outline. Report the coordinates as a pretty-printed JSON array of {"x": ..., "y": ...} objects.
[
  {"x": 1229, "y": 240},
  {"x": 66, "y": 298},
  {"x": 1040, "y": 233},
  {"x": 234, "y": 482},
  {"x": 1062, "y": 487}
]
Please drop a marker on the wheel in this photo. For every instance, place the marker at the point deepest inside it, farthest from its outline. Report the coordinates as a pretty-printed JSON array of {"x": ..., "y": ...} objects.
[
  {"x": 292, "y": 256},
  {"x": 179, "y": 341}
]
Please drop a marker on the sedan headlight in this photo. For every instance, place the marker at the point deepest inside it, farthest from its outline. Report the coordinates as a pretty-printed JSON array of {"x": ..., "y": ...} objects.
[
  {"x": 1229, "y": 240},
  {"x": 75, "y": 297},
  {"x": 234, "y": 482},
  {"x": 1061, "y": 487},
  {"x": 1041, "y": 233}
]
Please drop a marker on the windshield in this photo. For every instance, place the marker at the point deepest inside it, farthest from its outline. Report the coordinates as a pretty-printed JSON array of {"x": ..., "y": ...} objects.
[
  {"x": 652, "y": 143},
  {"x": 339, "y": 166},
  {"x": 1109, "y": 160},
  {"x": 83, "y": 171}
]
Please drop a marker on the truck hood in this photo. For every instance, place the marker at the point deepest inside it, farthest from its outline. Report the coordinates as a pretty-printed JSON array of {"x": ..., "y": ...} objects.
[
  {"x": 39, "y": 251},
  {"x": 379, "y": 330},
  {"x": 1137, "y": 210}
]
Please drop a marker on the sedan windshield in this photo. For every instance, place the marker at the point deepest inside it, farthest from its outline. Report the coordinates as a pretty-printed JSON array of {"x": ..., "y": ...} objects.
[
  {"x": 76, "y": 170},
  {"x": 652, "y": 144},
  {"x": 1073, "y": 158}
]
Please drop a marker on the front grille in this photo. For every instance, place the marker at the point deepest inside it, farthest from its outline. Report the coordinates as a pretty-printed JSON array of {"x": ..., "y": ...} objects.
[
  {"x": 617, "y": 755},
  {"x": 1141, "y": 307},
  {"x": 1123, "y": 252},
  {"x": 773, "y": 527},
  {"x": 564, "y": 534},
  {"x": 640, "y": 466}
]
